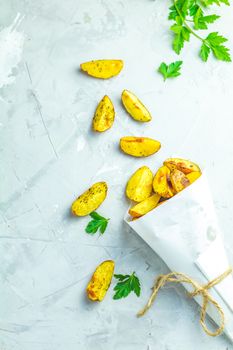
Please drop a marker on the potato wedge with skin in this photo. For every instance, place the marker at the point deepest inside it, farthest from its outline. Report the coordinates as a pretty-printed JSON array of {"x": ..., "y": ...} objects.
[
  {"x": 186, "y": 166},
  {"x": 145, "y": 206},
  {"x": 135, "y": 107},
  {"x": 104, "y": 115},
  {"x": 102, "y": 69},
  {"x": 179, "y": 180},
  {"x": 193, "y": 176},
  {"x": 90, "y": 200},
  {"x": 139, "y": 146},
  {"x": 139, "y": 186},
  {"x": 100, "y": 281},
  {"x": 162, "y": 184}
]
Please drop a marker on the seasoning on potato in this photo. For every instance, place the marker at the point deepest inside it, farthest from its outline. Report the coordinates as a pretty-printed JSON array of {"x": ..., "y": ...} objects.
[
  {"x": 103, "y": 69},
  {"x": 104, "y": 115},
  {"x": 186, "y": 166},
  {"x": 135, "y": 107},
  {"x": 100, "y": 281},
  {"x": 90, "y": 200},
  {"x": 139, "y": 186},
  {"x": 162, "y": 184},
  {"x": 145, "y": 206},
  {"x": 139, "y": 146},
  {"x": 179, "y": 180}
]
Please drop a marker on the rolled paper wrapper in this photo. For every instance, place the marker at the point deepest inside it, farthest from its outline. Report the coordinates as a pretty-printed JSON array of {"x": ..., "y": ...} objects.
[{"x": 185, "y": 233}]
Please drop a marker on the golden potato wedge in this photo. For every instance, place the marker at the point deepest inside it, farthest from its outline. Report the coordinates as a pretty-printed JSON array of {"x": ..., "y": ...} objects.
[
  {"x": 193, "y": 176},
  {"x": 100, "y": 281},
  {"x": 162, "y": 184},
  {"x": 103, "y": 69},
  {"x": 145, "y": 206},
  {"x": 186, "y": 166},
  {"x": 104, "y": 115},
  {"x": 179, "y": 180},
  {"x": 90, "y": 200},
  {"x": 135, "y": 107},
  {"x": 139, "y": 186},
  {"x": 139, "y": 146}
]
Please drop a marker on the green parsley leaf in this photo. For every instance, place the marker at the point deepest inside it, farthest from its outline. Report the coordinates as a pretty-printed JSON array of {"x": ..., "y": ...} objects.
[
  {"x": 201, "y": 21},
  {"x": 173, "y": 13},
  {"x": 103, "y": 226},
  {"x": 170, "y": 71},
  {"x": 98, "y": 223},
  {"x": 217, "y": 2},
  {"x": 127, "y": 284},
  {"x": 178, "y": 43},
  {"x": 183, "y": 12},
  {"x": 198, "y": 24},
  {"x": 204, "y": 53},
  {"x": 176, "y": 28},
  {"x": 221, "y": 53},
  {"x": 193, "y": 9},
  {"x": 185, "y": 33},
  {"x": 210, "y": 18},
  {"x": 121, "y": 277},
  {"x": 185, "y": 4},
  {"x": 94, "y": 215},
  {"x": 214, "y": 41},
  {"x": 179, "y": 6},
  {"x": 226, "y": 2},
  {"x": 182, "y": 34}
]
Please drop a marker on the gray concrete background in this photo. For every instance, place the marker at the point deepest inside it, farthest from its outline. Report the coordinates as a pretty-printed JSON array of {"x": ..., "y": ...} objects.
[{"x": 49, "y": 155}]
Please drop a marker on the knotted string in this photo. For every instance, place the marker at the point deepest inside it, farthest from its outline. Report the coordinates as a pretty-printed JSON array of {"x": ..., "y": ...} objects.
[{"x": 198, "y": 289}]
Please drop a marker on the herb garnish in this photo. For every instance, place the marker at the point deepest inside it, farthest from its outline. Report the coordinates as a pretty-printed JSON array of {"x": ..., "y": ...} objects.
[
  {"x": 98, "y": 223},
  {"x": 189, "y": 17},
  {"x": 127, "y": 284},
  {"x": 170, "y": 71}
]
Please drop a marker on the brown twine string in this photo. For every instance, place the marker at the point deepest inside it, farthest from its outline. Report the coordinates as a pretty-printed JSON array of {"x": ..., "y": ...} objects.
[{"x": 198, "y": 289}]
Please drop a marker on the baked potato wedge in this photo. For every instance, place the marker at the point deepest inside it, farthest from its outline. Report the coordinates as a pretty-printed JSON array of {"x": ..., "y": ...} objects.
[
  {"x": 139, "y": 186},
  {"x": 145, "y": 206},
  {"x": 100, "y": 281},
  {"x": 186, "y": 166},
  {"x": 135, "y": 107},
  {"x": 139, "y": 146},
  {"x": 162, "y": 184},
  {"x": 90, "y": 200},
  {"x": 103, "y": 69},
  {"x": 193, "y": 176},
  {"x": 104, "y": 115},
  {"x": 179, "y": 180}
]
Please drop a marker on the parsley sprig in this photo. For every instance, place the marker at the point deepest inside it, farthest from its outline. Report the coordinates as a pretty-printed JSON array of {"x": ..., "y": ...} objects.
[
  {"x": 189, "y": 17},
  {"x": 98, "y": 223},
  {"x": 126, "y": 285},
  {"x": 170, "y": 71}
]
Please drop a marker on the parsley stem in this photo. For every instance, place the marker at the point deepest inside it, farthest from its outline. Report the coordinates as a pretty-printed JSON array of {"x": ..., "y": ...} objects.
[{"x": 185, "y": 23}]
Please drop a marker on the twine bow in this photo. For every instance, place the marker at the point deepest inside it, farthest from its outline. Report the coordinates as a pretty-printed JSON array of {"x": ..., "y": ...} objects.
[{"x": 198, "y": 289}]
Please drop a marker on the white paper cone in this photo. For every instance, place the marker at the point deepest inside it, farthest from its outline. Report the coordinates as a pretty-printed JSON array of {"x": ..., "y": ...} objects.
[{"x": 184, "y": 232}]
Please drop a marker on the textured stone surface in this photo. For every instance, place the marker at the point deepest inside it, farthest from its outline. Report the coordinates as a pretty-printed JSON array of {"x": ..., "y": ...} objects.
[{"x": 49, "y": 155}]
